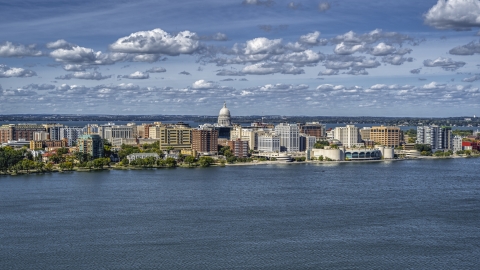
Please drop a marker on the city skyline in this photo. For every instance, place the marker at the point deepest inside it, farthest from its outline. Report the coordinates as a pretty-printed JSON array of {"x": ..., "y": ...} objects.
[{"x": 262, "y": 57}]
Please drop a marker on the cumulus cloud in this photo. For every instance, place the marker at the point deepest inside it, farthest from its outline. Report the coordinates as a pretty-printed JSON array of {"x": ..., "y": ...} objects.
[
  {"x": 202, "y": 85},
  {"x": 434, "y": 85},
  {"x": 138, "y": 75},
  {"x": 300, "y": 58},
  {"x": 454, "y": 14},
  {"x": 263, "y": 45},
  {"x": 41, "y": 87},
  {"x": 216, "y": 37},
  {"x": 157, "y": 41},
  {"x": 227, "y": 72},
  {"x": 84, "y": 76},
  {"x": 352, "y": 38},
  {"x": 8, "y": 49},
  {"x": 75, "y": 67},
  {"x": 312, "y": 39},
  {"x": 472, "y": 79},
  {"x": 324, "y": 6},
  {"x": 18, "y": 92},
  {"x": 8, "y": 72},
  {"x": 60, "y": 44},
  {"x": 416, "y": 71},
  {"x": 81, "y": 55},
  {"x": 271, "y": 68},
  {"x": 468, "y": 49},
  {"x": 382, "y": 49},
  {"x": 156, "y": 70},
  {"x": 445, "y": 63},
  {"x": 328, "y": 72},
  {"x": 396, "y": 59},
  {"x": 344, "y": 49}
]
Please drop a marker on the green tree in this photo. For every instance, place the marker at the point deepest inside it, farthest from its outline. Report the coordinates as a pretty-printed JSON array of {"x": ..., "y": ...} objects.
[
  {"x": 321, "y": 144},
  {"x": 205, "y": 161},
  {"x": 170, "y": 162},
  {"x": 189, "y": 160}
]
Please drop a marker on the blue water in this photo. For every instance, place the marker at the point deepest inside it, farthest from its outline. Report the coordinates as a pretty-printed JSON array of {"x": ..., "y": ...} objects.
[{"x": 388, "y": 215}]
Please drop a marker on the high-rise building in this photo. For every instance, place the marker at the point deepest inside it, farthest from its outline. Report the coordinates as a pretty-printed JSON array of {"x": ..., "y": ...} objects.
[
  {"x": 91, "y": 144},
  {"x": 289, "y": 137},
  {"x": 268, "y": 143},
  {"x": 19, "y": 132},
  {"x": 245, "y": 134},
  {"x": 41, "y": 136},
  {"x": 437, "y": 137},
  {"x": 347, "y": 135},
  {"x": 306, "y": 142},
  {"x": 238, "y": 148},
  {"x": 365, "y": 133},
  {"x": 178, "y": 136},
  {"x": 387, "y": 136},
  {"x": 313, "y": 129},
  {"x": 71, "y": 134},
  {"x": 205, "y": 141}
]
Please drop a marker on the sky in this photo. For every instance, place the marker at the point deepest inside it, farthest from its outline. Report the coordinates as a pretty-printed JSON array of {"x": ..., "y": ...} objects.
[{"x": 316, "y": 58}]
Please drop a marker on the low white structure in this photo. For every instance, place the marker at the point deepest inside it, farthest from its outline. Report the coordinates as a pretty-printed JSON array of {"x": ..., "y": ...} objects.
[
  {"x": 135, "y": 156},
  {"x": 342, "y": 153}
]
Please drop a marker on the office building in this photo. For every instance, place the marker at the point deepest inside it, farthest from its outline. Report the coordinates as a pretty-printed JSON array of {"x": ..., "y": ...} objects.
[{"x": 289, "y": 137}]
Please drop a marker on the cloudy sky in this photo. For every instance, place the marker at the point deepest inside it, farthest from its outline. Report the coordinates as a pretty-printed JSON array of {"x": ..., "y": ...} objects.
[{"x": 338, "y": 57}]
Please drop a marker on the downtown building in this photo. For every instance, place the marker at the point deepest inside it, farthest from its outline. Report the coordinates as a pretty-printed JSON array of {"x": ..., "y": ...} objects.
[
  {"x": 348, "y": 136},
  {"x": 289, "y": 137},
  {"x": 17, "y": 132},
  {"x": 91, "y": 144},
  {"x": 435, "y": 136},
  {"x": 386, "y": 136},
  {"x": 205, "y": 141}
]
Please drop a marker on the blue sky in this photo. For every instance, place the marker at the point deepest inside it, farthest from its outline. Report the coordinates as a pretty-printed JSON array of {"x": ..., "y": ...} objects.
[{"x": 346, "y": 58}]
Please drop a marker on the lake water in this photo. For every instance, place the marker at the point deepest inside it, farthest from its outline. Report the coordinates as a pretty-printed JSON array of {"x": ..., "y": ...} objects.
[{"x": 419, "y": 214}]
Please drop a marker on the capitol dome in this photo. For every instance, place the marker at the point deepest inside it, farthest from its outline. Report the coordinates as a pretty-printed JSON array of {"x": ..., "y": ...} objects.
[{"x": 224, "y": 116}]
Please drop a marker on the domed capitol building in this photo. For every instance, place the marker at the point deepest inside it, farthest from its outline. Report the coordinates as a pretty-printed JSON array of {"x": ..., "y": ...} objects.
[{"x": 224, "y": 117}]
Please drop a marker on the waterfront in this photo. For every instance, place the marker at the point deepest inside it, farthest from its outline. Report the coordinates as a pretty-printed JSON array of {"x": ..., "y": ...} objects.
[{"x": 386, "y": 215}]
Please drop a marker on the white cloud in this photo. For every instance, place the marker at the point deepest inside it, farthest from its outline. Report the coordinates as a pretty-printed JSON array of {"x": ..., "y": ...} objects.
[
  {"x": 202, "y": 85},
  {"x": 382, "y": 49},
  {"x": 43, "y": 86},
  {"x": 8, "y": 72},
  {"x": 454, "y": 14},
  {"x": 468, "y": 49},
  {"x": 8, "y": 49},
  {"x": 271, "y": 68},
  {"x": 81, "y": 55},
  {"x": 82, "y": 75},
  {"x": 263, "y": 45},
  {"x": 472, "y": 79},
  {"x": 433, "y": 85},
  {"x": 61, "y": 43},
  {"x": 157, "y": 41},
  {"x": 328, "y": 72},
  {"x": 74, "y": 67},
  {"x": 310, "y": 38},
  {"x": 156, "y": 70},
  {"x": 344, "y": 49},
  {"x": 396, "y": 59},
  {"x": 300, "y": 58},
  {"x": 445, "y": 63},
  {"x": 137, "y": 75},
  {"x": 258, "y": 2}
]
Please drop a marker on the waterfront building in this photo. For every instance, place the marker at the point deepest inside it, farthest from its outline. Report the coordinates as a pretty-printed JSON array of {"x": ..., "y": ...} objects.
[
  {"x": 306, "y": 142},
  {"x": 313, "y": 129},
  {"x": 42, "y": 144},
  {"x": 245, "y": 134},
  {"x": 224, "y": 117},
  {"x": 365, "y": 133},
  {"x": 17, "y": 132},
  {"x": 289, "y": 137},
  {"x": 54, "y": 131},
  {"x": 353, "y": 154},
  {"x": 269, "y": 143},
  {"x": 457, "y": 144},
  {"x": 91, "y": 144},
  {"x": 238, "y": 148},
  {"x": 205, "y": 141},
  {"x": 437, "y": 137},
  {"x": 135, "y": 156},
  {"x": 41, "y": 136},
  {"x": 71, "y": 134},
  {"x": 348, "y": 136},
  {"x": 178, "y": 137},
  {"x": 387, "y": 136}
]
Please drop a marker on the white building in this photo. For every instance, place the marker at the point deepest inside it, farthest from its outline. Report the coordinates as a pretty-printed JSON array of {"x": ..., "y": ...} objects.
[
  {"x": 349, "y": 136},
  {"x": 268, "y": 143},
  {"x": 289, "y": 137},
  {"x": 109, "y": 132},
  {"x": 224, "y": 116},
  {"x": 457, "y": 144},
  {"x": 71, "y": 134},
  {"x": 437, "y": 137}
]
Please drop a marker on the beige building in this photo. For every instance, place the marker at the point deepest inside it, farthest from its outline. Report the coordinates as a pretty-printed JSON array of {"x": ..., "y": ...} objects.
[
  {"x": 387, "y": 136},
  {"x": 245, "y": 134},
  {"x": 178, "y": 136}
]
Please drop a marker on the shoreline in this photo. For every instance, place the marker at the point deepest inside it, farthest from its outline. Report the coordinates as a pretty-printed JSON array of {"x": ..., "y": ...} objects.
[{"x": 258, "y": 163}]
